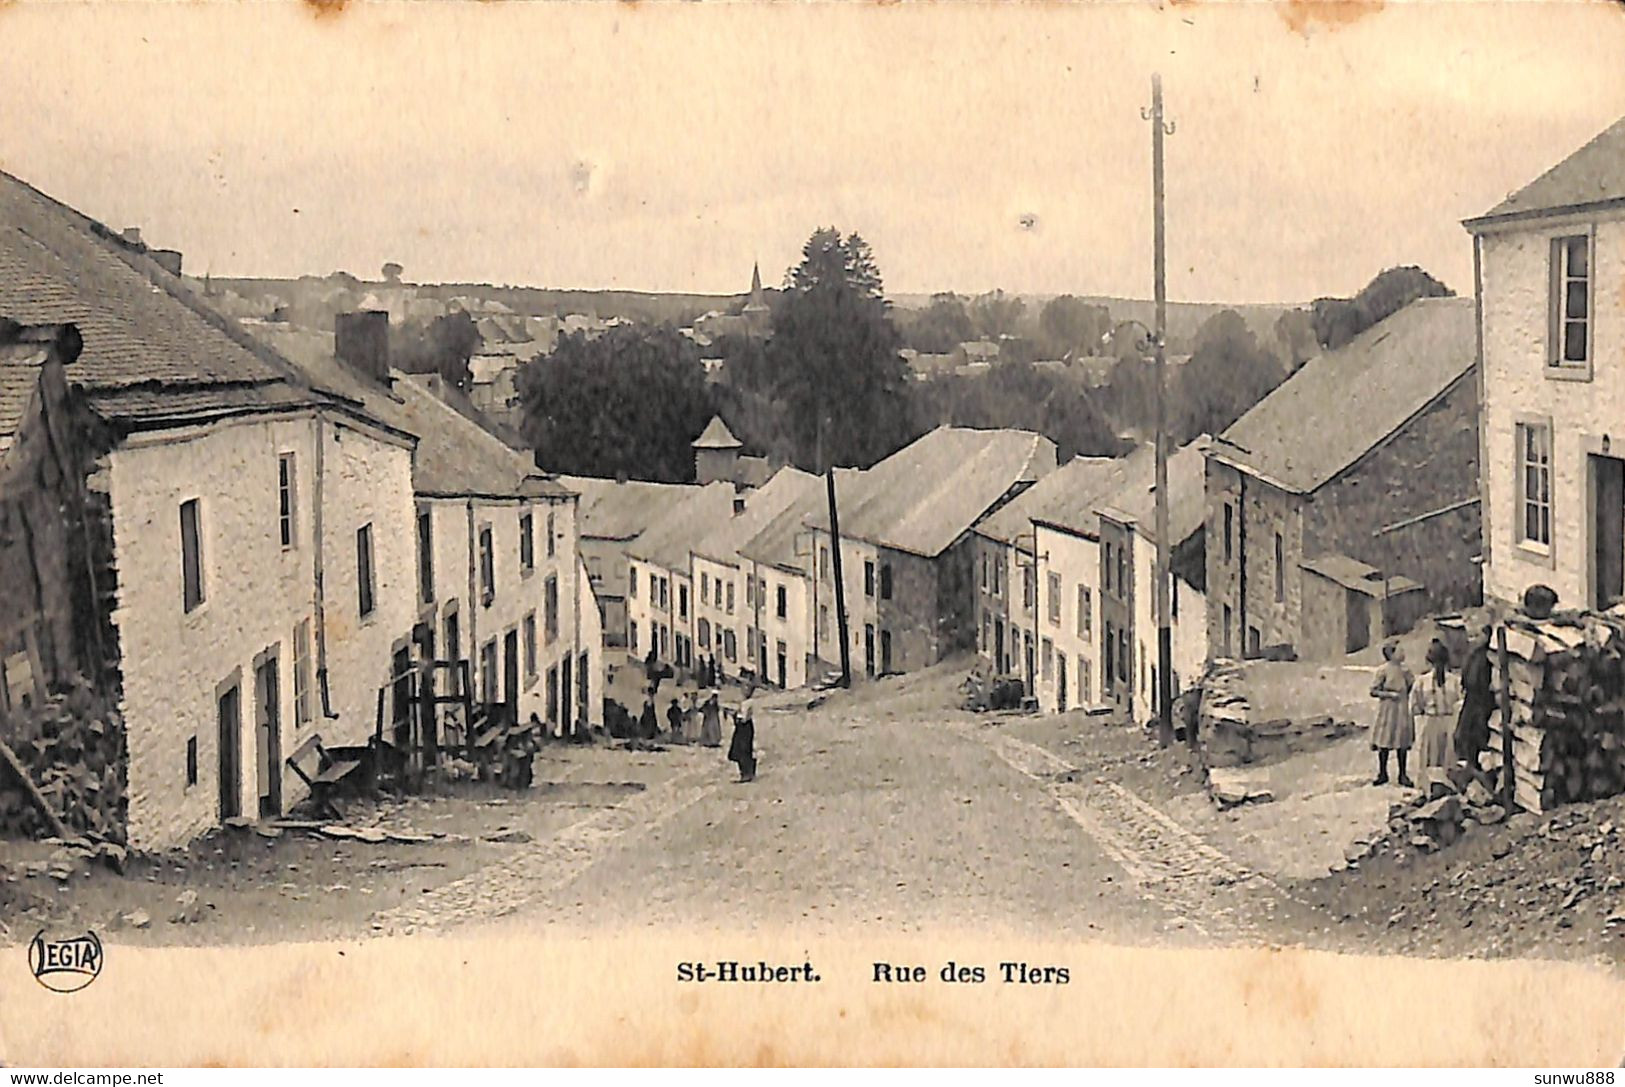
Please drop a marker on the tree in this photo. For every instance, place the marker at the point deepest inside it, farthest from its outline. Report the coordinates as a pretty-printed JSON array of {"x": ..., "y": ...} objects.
[
  {"x": 392, "y": 272},
  {"x": 1339, "y": 320},
  {"x": 941, "y": 326},
  {"x": 1069, "y": 325},
  {"x": 1295, "y": 342},
  {"x": 629, "y": 401},
  {"x": 1228, "y": 373},
  {"x": 834, "y": 359},
  {"x": 443, "y": 346},
  {"x": 1025, "y": 397},
  {"x": 996, "y": 314}
]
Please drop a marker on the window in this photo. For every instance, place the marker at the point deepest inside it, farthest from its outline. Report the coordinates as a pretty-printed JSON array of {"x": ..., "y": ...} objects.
[
  {"x": 730, "y": 646},
  {"x": 1225, "y": 632},
  {"x": 1535, "y": 483},
  {"x": 1047, "y": 657},
  {"x": 454, "y": 641},
  {"x": 1280, "y": 568},
  {"x": 868, "y": 578},
  {"x": 1110, "y": 647},
  {"x": 192, "y": 589},
  {"x": 366, "y": 586},
  {"x": 705, "y": 634},
  {"x": 550, "y": 601},
  {"x": 287, "y": 500},
  {"x": 682, "y": 601},
  {"x": 1054, "y": 581},
  {"x": 552, "y": 696},
  {"x": 1229, "y": 533},
  {"x": 750, "y": 592},
  {"x": 632, "y": 582},
  {"x": 998, "y": 578},
  {"x": 301, "y": 673},
  {"x": 530, "y": 648},
  {"x": 665, "y": 594},
  {"x": 783, "y": 608},
  {"x": 1571, "y": 301},
  {"x": 1109, "y": 565},
  {"x": 1086, "y": 608},
  {"x": 885, "y": 650},
  {"x": 885, "y": 581},
  {"x": 665, "y": 640},
  {"x": 985, "y": 565},
  {"x": 552, "y": 544},
  {"x": 705, "y": 588},
  {"x": 425, "y": 557},
  {"x": 1125, "y": 657},
  {"x": 987, "y": 632},
  {"x": 730, "y": 598},
  {"x": 823, "y": 563},
  {"x": 527, "y": 543},
  {"x": 1029, "y": 588},
  {"x": 488, "y": 672},
  {"x": 1085, "y": 695},
  {"x": 488, "y": 566},
  {"x": 1122, "y": 573},
  {"x": 632, "y": 635},
  {"x": 823, "y": 621}
]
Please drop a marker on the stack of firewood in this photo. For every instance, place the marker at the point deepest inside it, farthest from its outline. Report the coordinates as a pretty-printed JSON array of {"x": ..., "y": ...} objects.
[
  {"x": 1566, "y": 680},
  {"x": 71, "y": 749}
]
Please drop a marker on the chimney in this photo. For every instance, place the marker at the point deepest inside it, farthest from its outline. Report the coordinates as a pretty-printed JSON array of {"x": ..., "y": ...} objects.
[
  {"x": 168, "y": 259},
  {"x": 739, "y": 504},
  {"x": 132, "y": 235},
  {"x": 361, "y": 341}
]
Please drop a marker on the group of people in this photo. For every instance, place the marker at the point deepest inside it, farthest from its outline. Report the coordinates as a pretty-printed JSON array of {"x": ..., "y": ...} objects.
[
  {"x": 1444, "y": 717},
  {"x": 689, "y": 720}
]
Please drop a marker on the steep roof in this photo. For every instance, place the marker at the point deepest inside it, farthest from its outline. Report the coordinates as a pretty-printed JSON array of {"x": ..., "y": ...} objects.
[
  {"x": 456, "y": 457},
  {"x": 1134, "y": 498},
  {"x": 669, "y": 541},
  {"x": 622, "y": 509},
  {"x": 1595, "y": 174},
  {"x": 926, "y": 495},
  {"x": 1344, "y": 403},
  {"x": 1014, "y": 519},
  {"x": 784, "y": 490},
  {"x": 777, "y": 544},
  {"x": 153, "y": 351},
  {"x": 1076, "y": 509},
  {"x": 24, "y": 352},
  {"x": 716, "y": 435}
]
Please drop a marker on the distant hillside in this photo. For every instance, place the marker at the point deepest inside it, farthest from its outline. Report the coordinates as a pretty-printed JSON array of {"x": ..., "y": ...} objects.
[
  {"x": 678, "y": 309},
  {"x": 1184, "y": 318}
]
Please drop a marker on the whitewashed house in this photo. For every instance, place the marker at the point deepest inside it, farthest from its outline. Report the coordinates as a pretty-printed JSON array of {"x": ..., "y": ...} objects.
[
  {"x": 660, "y": 586},
  {"x": 260, "y": 528},
  {"x": 1550, "y": 265}
]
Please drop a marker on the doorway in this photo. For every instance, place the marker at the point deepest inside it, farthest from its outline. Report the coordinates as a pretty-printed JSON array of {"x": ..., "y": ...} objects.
[
  {"x": 868, "y": 650},
  {"x": 1608, "y": 531},
  {"x": 998, "y": 647},
  {"x": 268, "y": 731},
  {"x": 565, "y": 688},
  {"x": 229, "y": 713},
  {"x": 510, "y": 672},
  {"x": 1359, "y": 621},
  {"x": 1060, "y": 679}
]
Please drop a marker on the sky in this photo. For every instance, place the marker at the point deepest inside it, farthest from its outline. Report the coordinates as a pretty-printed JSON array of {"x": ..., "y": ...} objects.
[{"x": 667, "y": 147}]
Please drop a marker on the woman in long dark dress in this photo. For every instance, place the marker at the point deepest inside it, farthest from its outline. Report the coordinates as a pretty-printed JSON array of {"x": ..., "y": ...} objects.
[
  {"x": 1477, "y": 701},
  {"x": 742, "y": 748},
  {"x": 648, "y": 727}
]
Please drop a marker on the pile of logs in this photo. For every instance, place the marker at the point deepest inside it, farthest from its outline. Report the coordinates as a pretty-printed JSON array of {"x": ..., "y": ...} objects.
[
  {"x": 1564, "y": 680},
  {"x": 70, "y": 750}
]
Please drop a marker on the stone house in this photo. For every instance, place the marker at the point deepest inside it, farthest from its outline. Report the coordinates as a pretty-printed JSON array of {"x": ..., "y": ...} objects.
[
  {"x": 1345, "y": 503},
  {"x": 737, "y": 637},
  {"x": 1550, "y": 264},
  {"x": 258, "y": 528},
  {"x": 908, "y": 554},
  {"x": 1128, "y": 563},
  {"x": 1010, "y": 637},
  {"x": 660, "y": 584}
]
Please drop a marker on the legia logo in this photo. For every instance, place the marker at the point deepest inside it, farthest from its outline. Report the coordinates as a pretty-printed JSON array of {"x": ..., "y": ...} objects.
[{"x": 66, "y": 965}]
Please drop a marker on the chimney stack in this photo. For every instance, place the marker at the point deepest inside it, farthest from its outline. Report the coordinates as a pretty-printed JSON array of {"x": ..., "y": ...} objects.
[
  {"x": 361, "y": 341},
  {"x": 168, "y": 259},
  {"x": 132, "y": 235}
]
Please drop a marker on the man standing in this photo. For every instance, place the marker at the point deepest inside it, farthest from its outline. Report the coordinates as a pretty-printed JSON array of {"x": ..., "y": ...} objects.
[{"x": 742, "y": 749}]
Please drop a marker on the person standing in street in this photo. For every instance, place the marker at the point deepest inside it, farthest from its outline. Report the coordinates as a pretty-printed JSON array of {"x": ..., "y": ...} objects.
[
  {"x": 1435, "y": 702},
  {"x": 742, "y": 749},
  {"x": 1477, "y": 700},
  {"x": 711, "y": 722},
  {"x": 674, "y": 721},
  {"x": 1394, "y": 731}
]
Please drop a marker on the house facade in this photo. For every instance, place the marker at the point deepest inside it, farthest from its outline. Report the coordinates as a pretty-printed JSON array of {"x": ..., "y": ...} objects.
[
  {"x": 1328, "y": 531},
  {"x": 661, "y": 593},
  {"x": 1550, "y": 261}
]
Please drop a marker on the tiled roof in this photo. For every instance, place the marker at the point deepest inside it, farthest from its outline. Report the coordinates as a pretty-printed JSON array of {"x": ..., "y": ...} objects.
[
  {"x": 716, "y": 435},
  {"x": 778, "y": 543},
  {"x": 1594, "y": 174},
  {"x": 1134, "y": 498},
  {"x": 621, "y": 510},
  {"x": 141, "y": 325},
  {"x": 784, "y": 490},
  {"x": 670, "y": 540},
  {"x": 456, "y": 456},
  {"x": 926, "y": 495},
  {"x": 1081, "y": 475},
  {"x": 20, "y": 365},
  {"x": 1343, "y": 403}
]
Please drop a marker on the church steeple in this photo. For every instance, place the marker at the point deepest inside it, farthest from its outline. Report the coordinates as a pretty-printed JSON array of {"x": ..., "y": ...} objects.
[{"x": 758, "y": 301}]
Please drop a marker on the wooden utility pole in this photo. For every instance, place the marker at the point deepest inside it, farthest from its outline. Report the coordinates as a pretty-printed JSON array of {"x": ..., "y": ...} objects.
[
  {"x": 835, "y": 558},
  {"x": 1165, "y": 652}
]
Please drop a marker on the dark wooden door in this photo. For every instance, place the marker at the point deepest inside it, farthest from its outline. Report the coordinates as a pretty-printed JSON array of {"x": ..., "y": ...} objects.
[
  {"x": 1060, "y": 693},
  {"x": 510, "y": 670},
  {"x": 1359, "y": 621},
  {"x": 1609, "y": 533},
  {"x": 268, "y": 730},
  {"x": 230, "y": 716}
]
